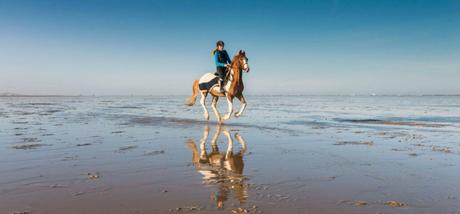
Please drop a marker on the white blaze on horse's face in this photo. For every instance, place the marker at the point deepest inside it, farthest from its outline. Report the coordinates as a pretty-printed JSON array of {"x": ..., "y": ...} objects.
[{"x": 245, "y": 65}]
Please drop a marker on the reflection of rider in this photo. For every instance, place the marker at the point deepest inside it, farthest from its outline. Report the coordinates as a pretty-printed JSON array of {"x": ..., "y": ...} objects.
[
  {"x": 222, "y": 169},
  {"x": 222, "y": 61}
]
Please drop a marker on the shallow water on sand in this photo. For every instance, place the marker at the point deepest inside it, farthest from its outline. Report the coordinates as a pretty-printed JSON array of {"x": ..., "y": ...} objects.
[{"x": 294, "y": 154}]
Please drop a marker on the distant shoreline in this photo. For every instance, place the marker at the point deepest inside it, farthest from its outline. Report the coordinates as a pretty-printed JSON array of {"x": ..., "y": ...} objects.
[
  {"x": 265, "y": 95},
  {"x": 29, "y": 95}
]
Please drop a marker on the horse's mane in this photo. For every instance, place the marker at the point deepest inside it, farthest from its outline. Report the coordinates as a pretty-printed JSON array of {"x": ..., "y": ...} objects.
[{"x": 236, "y": 59}]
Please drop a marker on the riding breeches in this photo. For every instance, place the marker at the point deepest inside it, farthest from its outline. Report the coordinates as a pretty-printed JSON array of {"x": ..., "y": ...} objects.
[{"x": 221, "y": 72}]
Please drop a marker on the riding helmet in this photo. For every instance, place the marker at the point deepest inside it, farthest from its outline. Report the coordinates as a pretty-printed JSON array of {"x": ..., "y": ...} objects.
[{"x": 220, "y": 42}]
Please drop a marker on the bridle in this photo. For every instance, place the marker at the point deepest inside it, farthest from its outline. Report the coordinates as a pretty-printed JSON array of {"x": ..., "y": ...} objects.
[
  {"x": 245, "y": 65},
  {"x": 241, "y": 65}
]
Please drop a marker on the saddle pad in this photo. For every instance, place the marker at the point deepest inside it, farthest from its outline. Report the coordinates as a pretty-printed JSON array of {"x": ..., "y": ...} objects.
[{"x": 207, "y": 82}]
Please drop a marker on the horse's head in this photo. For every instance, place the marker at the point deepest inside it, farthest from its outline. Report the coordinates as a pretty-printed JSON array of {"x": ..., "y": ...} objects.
[{"x": 241, "y": 61}]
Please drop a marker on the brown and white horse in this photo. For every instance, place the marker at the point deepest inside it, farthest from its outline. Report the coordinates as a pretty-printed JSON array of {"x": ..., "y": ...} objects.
[{"x": 233, "y": 88}]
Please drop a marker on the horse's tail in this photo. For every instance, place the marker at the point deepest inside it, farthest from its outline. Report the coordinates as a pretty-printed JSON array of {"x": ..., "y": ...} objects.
[{"x": 191, "y": 100}]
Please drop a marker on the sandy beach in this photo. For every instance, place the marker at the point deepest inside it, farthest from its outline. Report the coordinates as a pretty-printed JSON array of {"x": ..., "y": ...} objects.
[{"x": 300, "y": 154}]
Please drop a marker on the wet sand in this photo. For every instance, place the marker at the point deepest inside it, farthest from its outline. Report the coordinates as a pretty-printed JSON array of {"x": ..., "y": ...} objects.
[{"x": 154, "y": 155}]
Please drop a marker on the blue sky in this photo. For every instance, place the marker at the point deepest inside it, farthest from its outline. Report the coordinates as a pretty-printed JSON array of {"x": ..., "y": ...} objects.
[{"x": 294, "y": 47}]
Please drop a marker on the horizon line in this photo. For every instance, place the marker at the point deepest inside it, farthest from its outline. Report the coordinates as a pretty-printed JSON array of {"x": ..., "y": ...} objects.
[{"x": 186, "y": 95}]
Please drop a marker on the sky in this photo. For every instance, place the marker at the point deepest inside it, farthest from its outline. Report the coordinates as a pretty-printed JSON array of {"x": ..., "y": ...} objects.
[{"x": 158, "y": 47}]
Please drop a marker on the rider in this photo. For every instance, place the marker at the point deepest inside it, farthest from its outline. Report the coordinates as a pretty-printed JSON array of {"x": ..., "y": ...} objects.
[{"x": 222, "y": 62}]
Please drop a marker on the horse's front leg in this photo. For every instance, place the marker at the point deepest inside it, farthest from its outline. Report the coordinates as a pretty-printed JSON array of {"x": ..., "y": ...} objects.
[
  {"x": 214, "y": 108},
  {"x": 242, "y": 106},
  {"x": 242, "y": 142},
  {"x": 203, "y": 104},
  {"x": 230, "y": 107},
  {"x": 229, "y": 152}
]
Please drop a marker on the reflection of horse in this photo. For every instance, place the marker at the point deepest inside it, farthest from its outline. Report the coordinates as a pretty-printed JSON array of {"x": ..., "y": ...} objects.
[
  {"x": 224, "y": 170},
  {"x": 233, "y": 88}
]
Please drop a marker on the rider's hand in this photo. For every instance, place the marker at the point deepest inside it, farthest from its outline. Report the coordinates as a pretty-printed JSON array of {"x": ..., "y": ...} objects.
[{"x": 227, "y": 65}]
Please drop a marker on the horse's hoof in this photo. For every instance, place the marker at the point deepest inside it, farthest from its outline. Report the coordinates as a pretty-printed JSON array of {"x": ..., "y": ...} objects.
[
  {"x": 220, "y": 121},
  {"x": 190, "y": 144},
  {"x": 237, "y": 115}
]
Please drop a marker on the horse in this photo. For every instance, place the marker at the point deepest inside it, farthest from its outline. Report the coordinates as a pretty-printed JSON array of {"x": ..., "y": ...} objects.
[{"x": 233, "y": 87}]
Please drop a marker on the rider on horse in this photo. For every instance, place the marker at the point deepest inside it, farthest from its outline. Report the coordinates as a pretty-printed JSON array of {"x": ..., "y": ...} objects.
[
  {"x": 222, "y": 63},
  {"x": 233, "y": 87}
]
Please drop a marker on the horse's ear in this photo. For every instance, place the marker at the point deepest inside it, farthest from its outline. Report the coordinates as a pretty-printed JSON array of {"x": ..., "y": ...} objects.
[{"x": 241, "y": 52}]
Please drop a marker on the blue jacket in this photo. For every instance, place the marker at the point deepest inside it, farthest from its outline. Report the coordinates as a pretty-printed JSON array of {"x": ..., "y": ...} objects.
[{"x": 221, "y": 58}]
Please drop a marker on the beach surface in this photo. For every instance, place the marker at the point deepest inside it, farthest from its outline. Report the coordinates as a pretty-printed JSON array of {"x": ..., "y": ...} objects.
[{"x": 291, "y": 154}]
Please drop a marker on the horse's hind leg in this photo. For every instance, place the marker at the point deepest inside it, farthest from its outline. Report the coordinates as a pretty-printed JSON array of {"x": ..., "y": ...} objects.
[
  {"x": 214, "y": 108},
  {"x": 203, "y": 104},
  {"x": 214, "y": 138},
  {"x": 203, "y": 141},
  {"x": 242, "y": 105}
]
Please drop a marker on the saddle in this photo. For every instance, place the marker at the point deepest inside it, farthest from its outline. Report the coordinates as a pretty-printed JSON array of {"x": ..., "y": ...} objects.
[{"x": 212, "y": 80}]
